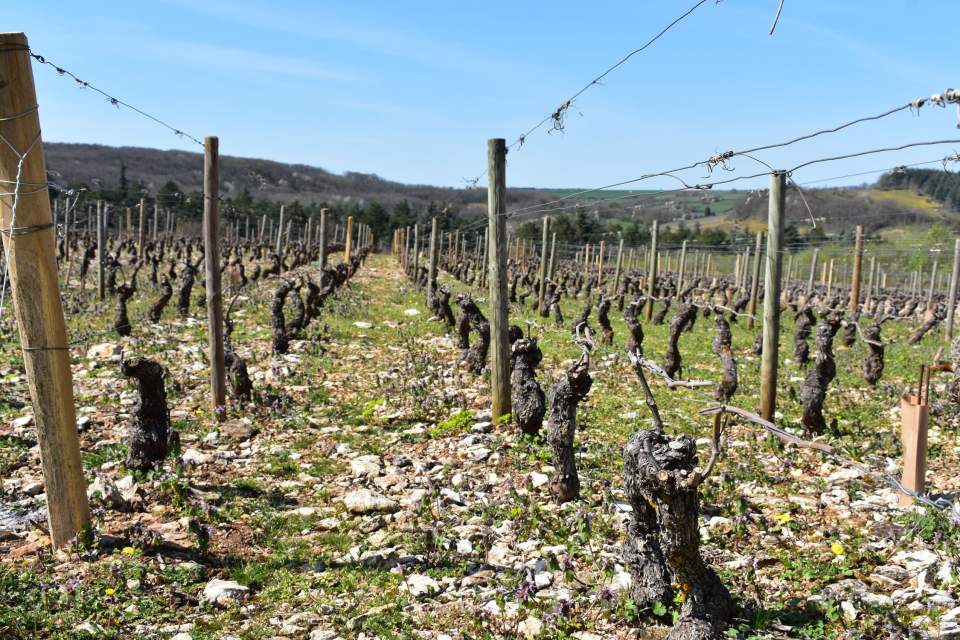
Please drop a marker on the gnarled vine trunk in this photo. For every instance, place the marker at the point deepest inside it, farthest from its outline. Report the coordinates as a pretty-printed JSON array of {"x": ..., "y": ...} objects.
[
  {"x": 818, "y": 378},
  {"x": 563, "y": 398},
  {"x": 663, "y": 474},
  {"x": 150, "y": 436},
  {"x": 475, "y": 355},
  {"x": 671, "y": 358},
  {"x": 526, "y": 396},
  {"x": 281, "y": 341}
]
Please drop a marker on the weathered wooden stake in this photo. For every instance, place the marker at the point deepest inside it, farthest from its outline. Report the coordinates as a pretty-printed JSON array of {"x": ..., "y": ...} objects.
[
  {"x": 682, "y": 268},
  {"x": 499, "y": 321},
  {"x": 553, "y": 256},
  {"x": 348, "y": 240},
  {"x": 933, "y": 280},
  {"x": 857, "y": 264},
  {"x": 652, "y": 274},
  {"x": 36, "y": 295},
  {"x": 101, "y": 250},
  {"x": 434, "y": 258},
  {"x": 142, "y": 229},
  {"x": 755, "y": 281},
  {"x": 541, "y": 292},
  {"x": 771, "y": 297},
  {"x": 211, "y": 256},
  {"x": 322, "y": 259},
  {"x": 616, "y": 273}
]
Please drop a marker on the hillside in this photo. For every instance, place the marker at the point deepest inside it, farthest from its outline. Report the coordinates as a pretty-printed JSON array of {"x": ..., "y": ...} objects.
[
  {"x": 897, "y": 200},
  {"x": 99, "y": 165}
]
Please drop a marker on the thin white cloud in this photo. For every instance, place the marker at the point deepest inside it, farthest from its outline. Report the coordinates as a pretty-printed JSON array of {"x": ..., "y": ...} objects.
[
  {"x": 872, "y": 56},
  {"x": 428, "y": 51},
  {"x": 246, "y": 61}
]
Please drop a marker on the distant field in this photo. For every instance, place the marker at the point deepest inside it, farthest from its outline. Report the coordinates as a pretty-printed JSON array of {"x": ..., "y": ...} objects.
[
  {"x": 906, "y": 198},
  {"x": 719, "y": 202}
]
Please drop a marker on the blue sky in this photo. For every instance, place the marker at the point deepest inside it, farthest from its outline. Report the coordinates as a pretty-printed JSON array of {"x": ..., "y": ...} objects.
[{"x": 411, "y": 90}]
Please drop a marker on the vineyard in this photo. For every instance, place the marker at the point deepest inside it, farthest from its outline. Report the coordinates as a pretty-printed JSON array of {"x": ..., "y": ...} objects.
[{"x": 222, "y": 419}]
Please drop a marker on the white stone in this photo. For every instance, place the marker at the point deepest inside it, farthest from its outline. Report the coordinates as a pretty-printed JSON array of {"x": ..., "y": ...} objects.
[
  {"x": 529, "y": 628},
  {"x": 105, "y": 490},
  {"x": 719, "y": 523},
  {"x": 876, "y": 600},
  {"x": 367, "y": 466},
  {"x": 420, "y": 585},
  {"x": 195, "y": 456},
  {"x": 620, "y": 581},
  {"x": 843, "y": 475},
  {"x": 849, "y": 611},
  {"x": 916, "y": 560},
  {"x": 224, "y": 593},
  {"x": 366, "y": 501},
  {"x": 411, "y": 312},
  {"x": 945, "y": 574},
  {"x": 538, "y": 479},
  {"x": 464, "y": 547},
  {"x": 500, "y": 554},
  {"x": 104, "y": 351},
  {"x": 33, "y": 488}
]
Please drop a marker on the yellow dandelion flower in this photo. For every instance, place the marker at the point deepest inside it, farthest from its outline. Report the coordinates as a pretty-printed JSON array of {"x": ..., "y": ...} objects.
[
  {"x": 783, "y": 518},
  {"x": 837, "y": 549},
  {"x": 109, "y": 591},
  {"x": 127, "y": 551}
]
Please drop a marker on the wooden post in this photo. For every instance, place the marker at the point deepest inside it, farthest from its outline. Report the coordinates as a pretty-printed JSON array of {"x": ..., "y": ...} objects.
[
  {"x": 933, "y": 280},
  {"x": 857, "y": 264},
  {"x": 484, "y": 260},
  {"x": 499, "y": 321},
  {"x": 129, "y": 233},
  {"x": 101, "y": 250},
  {"x": 211, "y": 256},
  {"x": 434, "y": 258},
  {"x": 952, "y": 298},
  {"x": 600, "y": 263},
  {"x": 416, "y": 251},
  {"x": 348, "y": 239},
  {"x": 142, "y": 229},
  {"x": 66, "y": 231},
  {"x": 682, "y": 268},
  {"x": 813, "y": 271},
  {"x": 755, "y": 281},
  {"x": 830, "y": 278},
  {"x": 771, "y": 297},
  {"x": 914, "y": 416},
  {"x": 322, "y": 259},
  {"x": 616, "y": 273},
  {"x": 35, "y": 292},
  {"x": 543, "y": 264},
  {"x": 553, "y": 256},
  {"x": 652, "y": 277}
]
